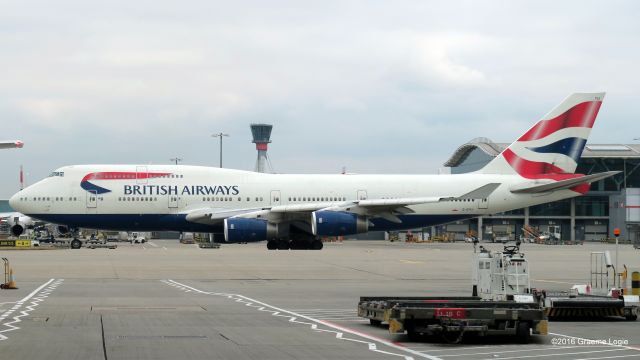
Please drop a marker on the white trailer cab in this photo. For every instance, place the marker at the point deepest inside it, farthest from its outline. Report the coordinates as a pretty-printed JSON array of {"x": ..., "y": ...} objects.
[
  {"x": 137, "y": 237},
  {"x": 501, "y": 275}
]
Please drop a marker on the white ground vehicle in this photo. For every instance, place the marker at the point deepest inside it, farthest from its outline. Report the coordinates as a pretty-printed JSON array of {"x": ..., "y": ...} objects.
[{"x": 137, "y": 238}]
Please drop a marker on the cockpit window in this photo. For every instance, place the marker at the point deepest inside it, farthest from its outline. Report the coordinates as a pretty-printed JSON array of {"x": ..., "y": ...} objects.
[{"x": 57, "y": 173}]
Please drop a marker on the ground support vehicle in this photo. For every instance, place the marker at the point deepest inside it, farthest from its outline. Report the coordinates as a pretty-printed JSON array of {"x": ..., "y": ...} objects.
[
  {"x": 453, "y": 317},
  {"x": 591, "y": 307},
  {"x": 503, "y": 303}
]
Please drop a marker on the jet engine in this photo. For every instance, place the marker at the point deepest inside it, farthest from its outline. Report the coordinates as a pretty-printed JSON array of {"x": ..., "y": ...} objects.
[
  {"x": 18, "y": 224},
  {"x": 338, "y": 223},
  {"x": 17, "y": 230},
  {"x": 245, "y": 230}
]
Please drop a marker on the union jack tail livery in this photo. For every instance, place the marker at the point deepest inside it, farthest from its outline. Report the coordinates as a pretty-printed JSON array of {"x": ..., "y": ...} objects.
[{"x": 552, "y": 147}]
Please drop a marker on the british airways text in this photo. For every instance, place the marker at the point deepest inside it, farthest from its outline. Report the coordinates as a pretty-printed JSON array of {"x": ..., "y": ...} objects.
[{"x": 185, "y": 190}]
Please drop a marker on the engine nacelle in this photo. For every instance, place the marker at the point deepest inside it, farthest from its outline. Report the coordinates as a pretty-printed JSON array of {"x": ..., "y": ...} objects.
[
  {"x": 338, "y": 223},
  {"x": 17, "y": 230},
  {"x": 245, "y": 230}
]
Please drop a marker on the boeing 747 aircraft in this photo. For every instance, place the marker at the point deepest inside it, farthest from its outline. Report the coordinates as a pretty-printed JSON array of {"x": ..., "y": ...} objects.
[{"x": 295, "y": 211}]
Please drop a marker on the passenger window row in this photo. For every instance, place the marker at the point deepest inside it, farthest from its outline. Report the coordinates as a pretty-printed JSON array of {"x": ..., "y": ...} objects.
[
  {"x": 318, "y": 198},
  {"x": 227, "y": 198},
  {"x": 47, "y": 198}
]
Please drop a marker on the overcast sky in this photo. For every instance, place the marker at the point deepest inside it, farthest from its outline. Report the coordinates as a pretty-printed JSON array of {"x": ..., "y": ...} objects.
[{"x": 376, "y": 86}]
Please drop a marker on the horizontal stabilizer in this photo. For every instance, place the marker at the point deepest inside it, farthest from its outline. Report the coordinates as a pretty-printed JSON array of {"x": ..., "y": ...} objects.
[{"x": 535, "y": 187}]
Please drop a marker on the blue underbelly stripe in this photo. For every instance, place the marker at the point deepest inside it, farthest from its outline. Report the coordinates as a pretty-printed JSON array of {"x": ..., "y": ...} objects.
[{"x": 178, "y": 222}]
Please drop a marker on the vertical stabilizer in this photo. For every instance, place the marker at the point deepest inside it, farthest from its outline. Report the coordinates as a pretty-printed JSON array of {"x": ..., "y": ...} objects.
[{"x": 554, "y": 144}]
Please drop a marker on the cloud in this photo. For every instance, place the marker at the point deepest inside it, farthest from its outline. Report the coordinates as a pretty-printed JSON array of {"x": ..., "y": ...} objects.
[{"x": 375, "y": 86}]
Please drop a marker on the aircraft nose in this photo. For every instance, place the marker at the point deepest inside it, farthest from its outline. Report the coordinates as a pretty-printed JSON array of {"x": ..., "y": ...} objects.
[{"x": 15, "y": 203}]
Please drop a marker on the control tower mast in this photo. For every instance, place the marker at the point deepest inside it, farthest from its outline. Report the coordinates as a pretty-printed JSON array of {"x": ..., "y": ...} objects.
[{"x": 262, "y": 137}]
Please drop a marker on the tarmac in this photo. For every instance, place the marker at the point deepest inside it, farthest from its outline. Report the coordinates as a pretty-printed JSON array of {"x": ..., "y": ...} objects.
[{"x": 165, "y": 300}]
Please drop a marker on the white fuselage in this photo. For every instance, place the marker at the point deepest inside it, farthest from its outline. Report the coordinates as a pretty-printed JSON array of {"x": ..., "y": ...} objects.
[{"x": 135, "y": 201}]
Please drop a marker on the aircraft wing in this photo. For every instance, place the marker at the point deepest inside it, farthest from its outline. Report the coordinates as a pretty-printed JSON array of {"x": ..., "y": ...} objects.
[
  {"x": 383, "y": 208},
  {"x": 211, "y": 216},
  {"x": 388, "y": 209},
  {"x": 10, "y": 144}
]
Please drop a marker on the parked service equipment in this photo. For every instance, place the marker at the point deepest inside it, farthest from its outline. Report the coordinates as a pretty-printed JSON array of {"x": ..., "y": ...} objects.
[
  {"x": 502, "y": 304},
  {"x": 9, "y": 281}
]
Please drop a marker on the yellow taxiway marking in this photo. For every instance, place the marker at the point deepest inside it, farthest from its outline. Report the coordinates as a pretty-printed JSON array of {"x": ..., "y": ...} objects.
[
  {"x": 411, "y": 262},
  {"x": 554, "y": 282}
]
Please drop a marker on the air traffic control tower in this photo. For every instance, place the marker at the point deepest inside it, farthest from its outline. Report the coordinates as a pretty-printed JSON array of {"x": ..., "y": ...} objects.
[{"x": 262, "y": 137}]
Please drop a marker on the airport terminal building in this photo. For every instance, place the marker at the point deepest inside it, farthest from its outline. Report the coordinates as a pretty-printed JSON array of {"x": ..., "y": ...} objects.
[{"x": 611, "y": 203}]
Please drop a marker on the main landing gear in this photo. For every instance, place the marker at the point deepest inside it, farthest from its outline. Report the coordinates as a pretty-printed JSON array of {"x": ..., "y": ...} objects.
[
  {"x": 75, "y": 243},
  {"x": 286, "y": 244}
]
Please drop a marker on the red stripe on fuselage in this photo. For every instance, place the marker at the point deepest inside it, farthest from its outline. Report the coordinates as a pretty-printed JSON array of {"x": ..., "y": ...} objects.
[
  {"x": 121, "y": 175},
  {"x": 581, "y": 115}
]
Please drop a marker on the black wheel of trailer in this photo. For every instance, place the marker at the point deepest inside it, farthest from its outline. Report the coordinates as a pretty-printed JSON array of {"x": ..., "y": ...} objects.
[
  {"x": 76, "y": 244},
  {"x": 413, "y": 335},
  {"x": 523, "y": 332},
  {"x": 272, "y": 245},
  {"x": 452, "y": 337},
  {"x": 375, "y": 322},
  {"x": 631, "y": 317}
]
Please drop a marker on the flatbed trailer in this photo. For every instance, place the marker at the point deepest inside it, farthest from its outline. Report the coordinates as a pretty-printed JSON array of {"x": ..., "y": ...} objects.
[
  {"x": 452, "y": 317},
  {"x": 591, "y": 307}
]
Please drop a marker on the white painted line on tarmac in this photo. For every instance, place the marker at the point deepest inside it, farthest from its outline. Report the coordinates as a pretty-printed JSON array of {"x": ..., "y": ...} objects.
[
  {"x": 455, "y": 348},
  {"x": 559, "y": 354},
  {"x": 518, "y": 351},
  {"x": 610, "y": 357},
  {"x": 293, "y": 316},
  {"x": 34, "y": 298},
  {"x": 152, "y": 243},
  {"x": 588, "y": 341}
]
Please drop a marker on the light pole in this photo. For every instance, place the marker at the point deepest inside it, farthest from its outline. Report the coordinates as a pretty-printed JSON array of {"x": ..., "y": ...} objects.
[
  {"x": 220, "y": 135},
  {"x": 176, "y": 159}
]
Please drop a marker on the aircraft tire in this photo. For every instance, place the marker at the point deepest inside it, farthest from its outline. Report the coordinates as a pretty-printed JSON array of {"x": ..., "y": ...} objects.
[
  {"x": 272, "y": 245},
  {"x": 317, "y": 245},
  {"x": 283, "y": 245},
  {"x": 76, "y": 244}
]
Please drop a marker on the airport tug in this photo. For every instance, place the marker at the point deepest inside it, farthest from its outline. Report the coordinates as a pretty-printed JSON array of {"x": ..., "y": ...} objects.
[{"x": 502, "y": 303}]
